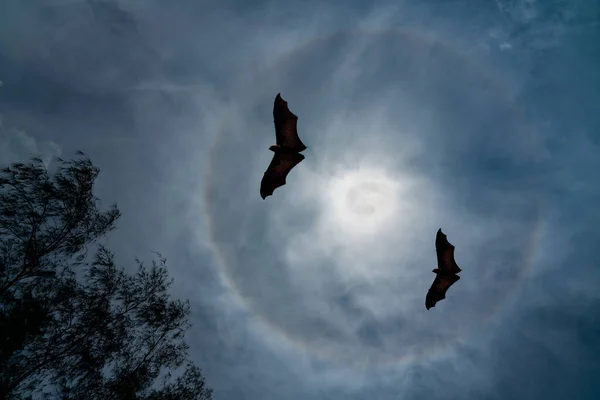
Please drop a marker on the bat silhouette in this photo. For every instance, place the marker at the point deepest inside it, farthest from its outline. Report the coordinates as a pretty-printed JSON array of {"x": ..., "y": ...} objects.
[
  {"x": 445, "y": 272},
  {"x": 287, "y": 150}
]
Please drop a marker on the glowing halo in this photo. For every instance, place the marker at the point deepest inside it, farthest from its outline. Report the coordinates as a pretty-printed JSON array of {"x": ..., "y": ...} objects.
[{"x": 365, "y": 198}]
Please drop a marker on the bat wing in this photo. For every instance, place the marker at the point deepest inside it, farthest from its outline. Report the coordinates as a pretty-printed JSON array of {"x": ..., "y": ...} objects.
[
  {"x": 445, "y": 254},
  {"x": 286, "y": 131},
  {"x": 438, "y": 289},
  {"x": 280, "y": 167}
]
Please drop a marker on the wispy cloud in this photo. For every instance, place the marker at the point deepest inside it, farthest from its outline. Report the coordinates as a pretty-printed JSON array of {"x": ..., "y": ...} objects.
[{"x": 17, "y": 146}]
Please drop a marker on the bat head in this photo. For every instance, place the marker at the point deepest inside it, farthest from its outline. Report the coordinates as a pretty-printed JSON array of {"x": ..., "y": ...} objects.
[
  {"x": 274, "y": 148},
  {"x": 437, "y": 270}
]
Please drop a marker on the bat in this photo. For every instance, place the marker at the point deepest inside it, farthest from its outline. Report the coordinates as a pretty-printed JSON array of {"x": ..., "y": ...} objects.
[
  {"x": 445, "y": 272},
  {"x": 287, "y": 150}
]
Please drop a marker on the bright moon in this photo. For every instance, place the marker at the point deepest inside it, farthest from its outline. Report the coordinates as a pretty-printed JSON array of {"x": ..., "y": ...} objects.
[{"x": 361, "y": 202}]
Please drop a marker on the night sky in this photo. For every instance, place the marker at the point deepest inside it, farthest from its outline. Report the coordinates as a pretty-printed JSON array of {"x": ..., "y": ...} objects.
[{"x": 479, "y": 118}]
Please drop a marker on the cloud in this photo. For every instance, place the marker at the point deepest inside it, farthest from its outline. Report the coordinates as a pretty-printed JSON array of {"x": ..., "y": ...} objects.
[
  {"x": 93, "y": 46},
  {"x": 17, "y": 146},
  {"x": 539, "y": 25}
]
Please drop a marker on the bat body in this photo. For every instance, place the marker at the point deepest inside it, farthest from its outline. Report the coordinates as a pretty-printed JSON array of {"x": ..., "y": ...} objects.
[
  {"x": 287, "y": 150},
  {"x": 446, "y": 272}
]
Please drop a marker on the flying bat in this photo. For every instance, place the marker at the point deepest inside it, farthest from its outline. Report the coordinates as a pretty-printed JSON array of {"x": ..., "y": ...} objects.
[
  {"x": 445, "y": 272},
  {"x": 287, "y": 150}
]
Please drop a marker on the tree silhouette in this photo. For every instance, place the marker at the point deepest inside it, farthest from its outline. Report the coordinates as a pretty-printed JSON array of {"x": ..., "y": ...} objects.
[{"x": 77, "y": 329}]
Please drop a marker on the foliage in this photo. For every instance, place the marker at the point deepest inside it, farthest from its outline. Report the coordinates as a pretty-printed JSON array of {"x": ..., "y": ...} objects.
[{"x": 77, "y": 329}]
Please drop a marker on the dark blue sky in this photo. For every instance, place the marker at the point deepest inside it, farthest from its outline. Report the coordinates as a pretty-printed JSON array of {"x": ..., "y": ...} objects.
[{"x": 480, "y": 119}]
